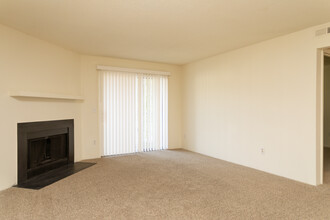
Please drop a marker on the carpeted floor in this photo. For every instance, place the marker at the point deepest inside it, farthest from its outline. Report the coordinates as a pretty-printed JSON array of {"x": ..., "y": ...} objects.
[{"x": 172, "y": 184}]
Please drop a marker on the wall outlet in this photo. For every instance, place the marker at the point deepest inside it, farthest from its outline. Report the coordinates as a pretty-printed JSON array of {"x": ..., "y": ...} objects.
[
  {"x": 262, "y": 150},
  {"x": 94, "y": 142}
]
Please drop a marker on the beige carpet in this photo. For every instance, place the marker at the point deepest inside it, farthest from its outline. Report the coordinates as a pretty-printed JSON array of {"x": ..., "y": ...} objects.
[{"x": 173, "y": 184}]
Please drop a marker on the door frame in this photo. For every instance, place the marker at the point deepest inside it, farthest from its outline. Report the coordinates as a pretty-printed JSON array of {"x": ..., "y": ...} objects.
[{"x": 319, "y": 115}]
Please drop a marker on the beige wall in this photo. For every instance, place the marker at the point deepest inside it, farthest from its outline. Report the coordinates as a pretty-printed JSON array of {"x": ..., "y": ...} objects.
[
  {"x": 90, "y": 130},
  {"x": 29, "y": 64},
  {"x": 261, "y": 96}
]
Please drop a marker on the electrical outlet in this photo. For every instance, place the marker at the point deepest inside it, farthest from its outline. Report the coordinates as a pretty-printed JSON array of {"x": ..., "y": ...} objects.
[
  {"x": 94, "y": 142},
  {"x": 262, "y": 150}
]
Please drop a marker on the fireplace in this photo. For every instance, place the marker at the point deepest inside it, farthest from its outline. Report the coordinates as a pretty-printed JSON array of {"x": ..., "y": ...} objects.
[{"x": 44, "y": 146}]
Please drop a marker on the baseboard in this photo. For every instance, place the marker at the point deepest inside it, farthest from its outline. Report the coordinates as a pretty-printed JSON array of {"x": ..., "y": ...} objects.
[{"x": 174, "y": 148}]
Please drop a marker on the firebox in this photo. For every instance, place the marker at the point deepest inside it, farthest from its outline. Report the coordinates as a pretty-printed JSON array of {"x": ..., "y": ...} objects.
[{"x": 44, "y": 146}]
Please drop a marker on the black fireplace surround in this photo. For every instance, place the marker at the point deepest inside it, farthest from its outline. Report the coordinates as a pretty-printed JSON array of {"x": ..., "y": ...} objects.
[{"x": 44, "y": 146}]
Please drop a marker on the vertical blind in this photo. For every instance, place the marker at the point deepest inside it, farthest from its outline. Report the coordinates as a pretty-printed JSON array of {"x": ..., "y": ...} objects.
[{"x": 134, "y": 112}]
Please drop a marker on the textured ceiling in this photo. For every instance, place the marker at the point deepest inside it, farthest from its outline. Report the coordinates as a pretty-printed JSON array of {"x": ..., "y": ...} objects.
[{"x": 168, "y": 31}]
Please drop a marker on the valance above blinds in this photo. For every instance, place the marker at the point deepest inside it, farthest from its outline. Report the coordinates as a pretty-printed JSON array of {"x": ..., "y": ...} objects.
[{"x": 128, "y": 70}]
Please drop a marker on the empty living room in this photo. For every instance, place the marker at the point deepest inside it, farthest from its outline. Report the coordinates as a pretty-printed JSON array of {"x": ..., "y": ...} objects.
[{"x": 164, "y": 109}]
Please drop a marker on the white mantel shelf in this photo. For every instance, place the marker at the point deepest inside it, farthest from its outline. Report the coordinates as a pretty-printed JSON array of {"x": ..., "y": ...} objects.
[{"x": 22, "y": 94}]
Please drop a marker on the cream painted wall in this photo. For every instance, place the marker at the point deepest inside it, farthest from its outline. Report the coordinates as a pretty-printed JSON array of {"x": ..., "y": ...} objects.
[
  {"x": 90, "y": 129},
  {"x": 260, "y": 96},
  {"x": 29, "y": 64}
]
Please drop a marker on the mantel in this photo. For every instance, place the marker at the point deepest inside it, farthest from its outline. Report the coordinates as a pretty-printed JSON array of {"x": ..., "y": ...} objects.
[{"x": 22, "y": 94}]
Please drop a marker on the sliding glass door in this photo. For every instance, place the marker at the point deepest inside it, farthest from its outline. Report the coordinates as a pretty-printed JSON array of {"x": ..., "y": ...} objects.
[{"x": 134, "y": 112}]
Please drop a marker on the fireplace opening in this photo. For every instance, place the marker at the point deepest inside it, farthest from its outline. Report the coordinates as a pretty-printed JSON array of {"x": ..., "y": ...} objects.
[{"x": 46, "y": 151}]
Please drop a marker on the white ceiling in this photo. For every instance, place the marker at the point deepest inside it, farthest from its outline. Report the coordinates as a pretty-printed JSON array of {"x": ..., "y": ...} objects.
[{"x": 168, "y": 31}]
